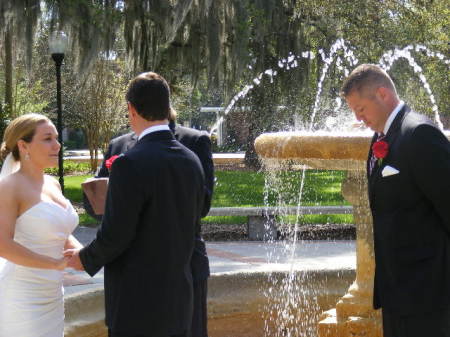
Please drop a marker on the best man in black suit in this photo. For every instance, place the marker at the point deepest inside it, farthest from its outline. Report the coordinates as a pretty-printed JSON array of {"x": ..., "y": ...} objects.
[
  {"x": 409, "y": 195},
  {"x": 117, "y": 146},
  {"x": 199, "y": 143},
  {"x": 146, "y": 239}
]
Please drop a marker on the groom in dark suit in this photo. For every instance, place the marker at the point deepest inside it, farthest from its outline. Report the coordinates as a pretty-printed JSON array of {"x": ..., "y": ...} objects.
[
  {"x": 408, "y": 172},
  {"x": 146, "y": 239},
  {"x": 199, "y": 143}
]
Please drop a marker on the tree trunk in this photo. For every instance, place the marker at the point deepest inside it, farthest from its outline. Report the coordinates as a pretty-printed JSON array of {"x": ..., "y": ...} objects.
[
  {"x": 2, "y": 121},
  {"x": 8, "y": 75},
  {"x": 251, "y": 157}
]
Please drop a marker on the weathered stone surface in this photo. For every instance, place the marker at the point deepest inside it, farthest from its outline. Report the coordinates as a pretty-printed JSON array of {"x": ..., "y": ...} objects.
[
  {"x": 353, "y": 315},
  {"x": 298, "y": 145},
  {"x": 85, "y": 314},
  {"x": 231, "y": 298}
]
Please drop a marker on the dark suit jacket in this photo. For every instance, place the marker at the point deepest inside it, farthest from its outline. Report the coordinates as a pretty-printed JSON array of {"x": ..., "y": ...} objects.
[
  {"x": 199, "y": 143},
  {"x": 117, "y": 146},
  {"x": 146, "y": 239},
  {"x": 411, "y": 218}
]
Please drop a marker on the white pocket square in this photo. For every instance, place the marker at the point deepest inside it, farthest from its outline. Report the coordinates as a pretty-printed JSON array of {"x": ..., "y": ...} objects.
[{"x": 389, "y": 171}]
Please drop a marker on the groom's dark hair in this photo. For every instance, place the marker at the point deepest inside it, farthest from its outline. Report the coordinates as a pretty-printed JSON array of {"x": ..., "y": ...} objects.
[{"x": 149, "y": 94}]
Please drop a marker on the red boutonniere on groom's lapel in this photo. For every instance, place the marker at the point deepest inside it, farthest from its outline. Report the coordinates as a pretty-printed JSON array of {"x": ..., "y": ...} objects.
[
  {"x": 110, "y": 161},
  {"x": 380, "y": 150}
]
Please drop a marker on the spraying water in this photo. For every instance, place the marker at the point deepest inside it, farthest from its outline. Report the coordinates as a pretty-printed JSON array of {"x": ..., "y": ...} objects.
[{"x": 288, "y": 303}]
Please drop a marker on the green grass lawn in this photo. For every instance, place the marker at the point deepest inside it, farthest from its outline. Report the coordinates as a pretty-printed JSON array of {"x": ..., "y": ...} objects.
[
  {"x": 72, "y": 187},
  {"x": 72, "y": 191},
  {"x": 246, "y": 189}
]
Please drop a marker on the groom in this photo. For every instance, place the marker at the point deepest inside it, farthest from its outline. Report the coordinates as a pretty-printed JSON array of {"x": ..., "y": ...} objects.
[
  {"x": 408, "y": 172},
  {"x": 199, "y": 143},
  {"x": 146, "y": 239}
]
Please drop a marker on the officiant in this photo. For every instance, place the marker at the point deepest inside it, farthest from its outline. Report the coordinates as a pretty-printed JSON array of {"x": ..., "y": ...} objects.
[
  {"x": 199, "y": 143},
  {"x": 408, "y": 172}
]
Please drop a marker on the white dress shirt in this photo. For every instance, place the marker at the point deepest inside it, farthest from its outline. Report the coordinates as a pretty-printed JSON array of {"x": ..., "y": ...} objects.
[
  {"x": 392, "y": 116},
  {"x": 154, "y": 128}
]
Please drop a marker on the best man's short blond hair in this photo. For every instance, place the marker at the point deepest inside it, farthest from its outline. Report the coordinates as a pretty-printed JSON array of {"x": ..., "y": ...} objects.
[{"x": 367, "y": 78}]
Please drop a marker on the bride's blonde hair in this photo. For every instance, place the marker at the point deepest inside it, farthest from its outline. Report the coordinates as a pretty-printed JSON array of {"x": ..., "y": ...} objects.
[{"x": 23, "y": 127}]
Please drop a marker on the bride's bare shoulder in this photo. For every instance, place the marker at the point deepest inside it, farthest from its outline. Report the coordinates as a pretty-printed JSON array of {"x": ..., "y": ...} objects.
[
  {"x": 11, "y": 186},
  {"x": 10, "y": 181},
  {"x": 52, "y": 181}
]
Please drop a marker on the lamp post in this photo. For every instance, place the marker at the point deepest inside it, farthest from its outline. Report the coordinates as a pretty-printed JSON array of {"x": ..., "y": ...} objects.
[{"x": 58, "y": 45}]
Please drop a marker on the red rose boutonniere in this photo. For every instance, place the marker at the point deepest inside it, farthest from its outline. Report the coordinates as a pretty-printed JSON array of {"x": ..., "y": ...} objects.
[
  {"x": 380, "y": 150},
  {"x": 110, "y": 161}
]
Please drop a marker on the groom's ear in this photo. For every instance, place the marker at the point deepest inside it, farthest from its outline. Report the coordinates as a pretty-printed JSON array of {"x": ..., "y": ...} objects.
[{"x": 132, "y": 110}]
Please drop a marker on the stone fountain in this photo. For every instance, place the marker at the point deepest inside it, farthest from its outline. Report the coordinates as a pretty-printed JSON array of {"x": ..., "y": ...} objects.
[{"x": 353, "y": 315}]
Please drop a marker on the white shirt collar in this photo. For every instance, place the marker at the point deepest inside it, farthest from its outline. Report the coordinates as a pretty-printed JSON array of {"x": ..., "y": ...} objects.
[
  {"x": 153, "y": 128},
  {"x": 392, "y": 116}
]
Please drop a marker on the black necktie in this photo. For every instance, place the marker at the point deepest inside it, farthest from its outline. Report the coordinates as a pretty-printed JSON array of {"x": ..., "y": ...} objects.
[{"x": 373, "y": 159}]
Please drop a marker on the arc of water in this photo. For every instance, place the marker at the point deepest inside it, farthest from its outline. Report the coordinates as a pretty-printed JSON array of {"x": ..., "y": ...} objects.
[
  {"x": 348, "y": 54},
  {"x": 429, "y": 53},
  {"x": 290, "y": 62},
  {"x": 388, "y": 59}
]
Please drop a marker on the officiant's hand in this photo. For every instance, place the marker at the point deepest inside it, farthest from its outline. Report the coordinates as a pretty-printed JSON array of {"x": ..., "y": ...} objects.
[{"x": 74, "y": 261}]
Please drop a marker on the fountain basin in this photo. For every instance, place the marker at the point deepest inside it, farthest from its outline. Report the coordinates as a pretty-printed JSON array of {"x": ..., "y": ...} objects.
[
  {"x": 241, "y": 274},
  {"x": 339, "y": 151},
  {"x": 236, "y": 302},
  {"x": 320, "y": 150}
]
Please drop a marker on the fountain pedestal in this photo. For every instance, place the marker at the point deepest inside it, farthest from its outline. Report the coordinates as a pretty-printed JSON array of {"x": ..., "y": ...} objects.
[{"x": 354, "y": 315}]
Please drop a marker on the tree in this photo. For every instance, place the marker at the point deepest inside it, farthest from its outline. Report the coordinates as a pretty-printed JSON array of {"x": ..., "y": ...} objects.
[
  {"x": 18, "y": 20},
  {"x": 212, "y": 49},
  {"x": 99, "y": 108}
]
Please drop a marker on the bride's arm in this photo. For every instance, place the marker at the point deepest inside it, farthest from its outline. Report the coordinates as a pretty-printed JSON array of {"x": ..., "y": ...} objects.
[
  {"x": 11, "y": 250},
  {"x": 72, "y": 243}
]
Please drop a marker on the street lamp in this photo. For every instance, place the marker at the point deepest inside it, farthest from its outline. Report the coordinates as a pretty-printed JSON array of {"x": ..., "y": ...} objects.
[{"x": 58, "y": 44}]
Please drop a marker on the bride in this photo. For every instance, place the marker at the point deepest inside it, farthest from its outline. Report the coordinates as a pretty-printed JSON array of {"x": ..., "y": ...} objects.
[{"x": 36, "y": 223}]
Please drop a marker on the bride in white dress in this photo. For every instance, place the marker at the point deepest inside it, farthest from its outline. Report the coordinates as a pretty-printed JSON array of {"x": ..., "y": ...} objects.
[{"x": 36, "y": 223}]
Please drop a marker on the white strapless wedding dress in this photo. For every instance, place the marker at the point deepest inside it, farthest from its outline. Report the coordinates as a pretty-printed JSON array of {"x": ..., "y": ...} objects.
[{"x": 31, "y": 299}]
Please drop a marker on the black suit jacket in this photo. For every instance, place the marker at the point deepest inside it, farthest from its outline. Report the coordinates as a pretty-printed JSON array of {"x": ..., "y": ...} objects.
[
  {"x": 117, "y": 146},
  {"x": 146, "y": 239},
  {"x": 200, "y": 143},
  {"x": 411, "y": 218}
]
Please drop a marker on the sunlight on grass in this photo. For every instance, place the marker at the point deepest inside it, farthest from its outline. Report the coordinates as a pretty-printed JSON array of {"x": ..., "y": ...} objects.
[
  {"x": 87, "y": 220},
  {"x": 72, "y": 187},
  {"x": 232, "y": 220},
  {"x": 246, "y": 189},
  {"x": 319, "y": 219}
]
